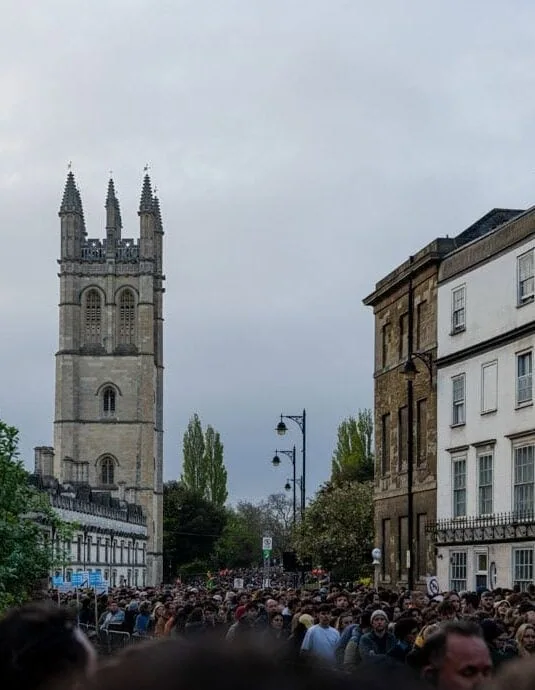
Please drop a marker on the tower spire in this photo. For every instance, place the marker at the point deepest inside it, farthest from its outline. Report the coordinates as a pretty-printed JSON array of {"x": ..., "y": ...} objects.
[
  {"x": 145, "y": 204},
  {"x": 113, "y": 217},
  {"x": 71, "y": 202}
]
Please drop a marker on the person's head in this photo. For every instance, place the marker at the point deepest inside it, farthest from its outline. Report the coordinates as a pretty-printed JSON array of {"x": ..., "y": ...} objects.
[
  {"x": 40, "y": 646},
  {"x": 251, "y": 611},
  {"x": 454, "y": 598},
  {"x": 324, "y": 615},
  {"x": 144, "y": 608},
  {"x": 406, "y": 630},
  {"x": 379, "y": 622},
  {"x": 456, "y": 657},
  {"x": 114, "y": 606},
  {"x": 502, "y": 608},
  {"x": 271, "y": 606},
  {"x": 525, "y": 638},
  {"x": 344, "y": 620},
  {"x": 469, "y": 603},
  {"x": 446, "y": 611},
  {"x": 341, "y": 601},
  {"x": 276, "y": 620},
  {"x": 486, "y": 600},
  {"x": 178, "y": 665}
]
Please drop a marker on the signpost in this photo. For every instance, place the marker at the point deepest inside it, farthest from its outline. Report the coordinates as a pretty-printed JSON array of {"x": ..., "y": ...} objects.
[{"x": 267, "y": 548}]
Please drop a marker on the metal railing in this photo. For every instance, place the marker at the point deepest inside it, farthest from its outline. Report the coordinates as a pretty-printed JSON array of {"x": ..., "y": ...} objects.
[{"x": 509, "y": 519}]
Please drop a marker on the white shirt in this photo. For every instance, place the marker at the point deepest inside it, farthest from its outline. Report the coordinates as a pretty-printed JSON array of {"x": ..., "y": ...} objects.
[{"x": 321, "y": 642}]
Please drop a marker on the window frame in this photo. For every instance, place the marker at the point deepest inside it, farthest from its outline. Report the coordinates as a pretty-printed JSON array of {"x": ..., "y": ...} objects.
[
  {"x": 386, "y": 445},
  {"x": 524, "y": 582},
  {"x": 530, "y": 297},
  {"x": 109, "y": 395},
  {"x": 488, "y": 365},
  {"x": 107, "y": 464},
  {"x": 456, "y": 584},
  {"x": 92, "y": 316},
  {"x": 484, "y": 454},
  {"x": 529, "y": 447},
  {"x": 127, "y": 317},
  {"x": 422, "y": 445},
  {"x": 459, "y": 404},
  {"x": 458, "y": 327},
  {"x": 457, "y": 491},
  {"x": 528, "y": 376}
]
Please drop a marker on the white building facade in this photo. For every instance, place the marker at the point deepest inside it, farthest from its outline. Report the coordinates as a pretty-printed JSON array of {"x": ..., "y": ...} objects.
[
  {"x": 485, "y": 530},
  {"x": 110, "y": 536}
]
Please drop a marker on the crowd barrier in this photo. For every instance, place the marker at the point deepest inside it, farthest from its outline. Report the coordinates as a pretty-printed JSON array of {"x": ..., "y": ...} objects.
[{"x": 110, "y": 642}]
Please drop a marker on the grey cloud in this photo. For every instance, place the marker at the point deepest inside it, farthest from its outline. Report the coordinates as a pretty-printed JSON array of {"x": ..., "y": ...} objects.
[{"x": 301, "y": 150}]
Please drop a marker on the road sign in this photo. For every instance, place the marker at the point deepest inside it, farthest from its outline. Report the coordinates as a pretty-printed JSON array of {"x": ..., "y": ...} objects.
[
  {"x": 267, "y": 544},
  {"x": 433, "y": 588},
  {"x": 266, "y": 553}
]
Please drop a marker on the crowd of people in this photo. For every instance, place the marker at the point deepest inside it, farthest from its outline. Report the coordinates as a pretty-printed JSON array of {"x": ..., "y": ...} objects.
[{"x": 452, "y": 641}]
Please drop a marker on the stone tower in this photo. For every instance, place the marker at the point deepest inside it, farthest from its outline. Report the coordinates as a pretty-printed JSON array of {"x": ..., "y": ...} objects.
[{"x": 108, "y": 427}]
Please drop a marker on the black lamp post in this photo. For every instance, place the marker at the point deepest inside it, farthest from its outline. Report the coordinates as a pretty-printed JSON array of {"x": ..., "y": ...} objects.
[
  {"x": 410, "y": 372},
  {"x": 276, "y": 462},
  {"x": 281, "y": 429}
]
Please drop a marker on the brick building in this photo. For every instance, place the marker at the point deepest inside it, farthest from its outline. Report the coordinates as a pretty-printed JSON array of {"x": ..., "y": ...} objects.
[{"x": 403, "y": 335}]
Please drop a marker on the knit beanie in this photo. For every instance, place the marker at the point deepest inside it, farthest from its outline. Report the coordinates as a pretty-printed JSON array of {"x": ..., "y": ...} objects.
[{"x": 378, "y": 614}]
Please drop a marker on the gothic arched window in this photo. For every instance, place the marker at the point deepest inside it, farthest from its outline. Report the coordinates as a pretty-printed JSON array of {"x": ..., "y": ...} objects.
[
  {"x": 127, "y": 318},
  {"x": 107, "y": 471},
  {"x": 108, "y": 402},
  {"x": 93, "y": 317}
]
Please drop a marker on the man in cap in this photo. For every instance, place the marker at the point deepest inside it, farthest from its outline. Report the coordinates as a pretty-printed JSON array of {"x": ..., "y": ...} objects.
[{"x": 378, "y": 641}]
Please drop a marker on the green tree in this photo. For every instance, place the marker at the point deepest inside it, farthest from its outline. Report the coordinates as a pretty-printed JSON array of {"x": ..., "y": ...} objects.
[
  {"x": 193, "y": 467},
  {"x": 337, "y": 530},
  {"x": 353, "y": 458},
  {"x": 191, "y": 526},
  {"x": 241, "y": 543},
  {"x": 214, "y": 468},
  {"x": 25, "y": 556}
]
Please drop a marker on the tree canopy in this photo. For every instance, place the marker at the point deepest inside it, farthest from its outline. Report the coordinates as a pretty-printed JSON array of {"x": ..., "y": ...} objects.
[
  {"x": 337, "y": 530},
  {"x": 25, "y": 555},
  {"x": 191, "y": 525},
  {"x": 353, "y": 458},
  {"x": 203, "y": 465}
]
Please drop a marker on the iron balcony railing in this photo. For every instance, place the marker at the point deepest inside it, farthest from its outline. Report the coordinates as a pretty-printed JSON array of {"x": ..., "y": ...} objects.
[{"x": 510, "y": 526}]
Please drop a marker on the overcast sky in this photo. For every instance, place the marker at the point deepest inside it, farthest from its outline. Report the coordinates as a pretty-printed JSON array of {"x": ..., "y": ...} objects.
[{"x": 301, "y": 150}]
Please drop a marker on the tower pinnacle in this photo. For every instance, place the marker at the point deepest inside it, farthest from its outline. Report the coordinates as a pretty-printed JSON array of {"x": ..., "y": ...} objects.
[
  {"x": 71, "y": 202},
  {"x": 145, "y": 204}
]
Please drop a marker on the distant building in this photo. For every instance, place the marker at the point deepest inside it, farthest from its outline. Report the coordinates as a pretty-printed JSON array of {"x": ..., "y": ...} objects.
[
  {"x": 108, "y": 426},
  {"x": 111, "y": 534},
  {"x": 405, "y": 311},
  {"x": 485, "y": 532}
]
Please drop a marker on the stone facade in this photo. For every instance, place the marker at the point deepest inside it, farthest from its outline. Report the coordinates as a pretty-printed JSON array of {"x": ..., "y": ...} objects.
[
  {"x": 108, "y": 426},
  {"x": 415, "y": 280},
  {"x": 390, "y": 305}
]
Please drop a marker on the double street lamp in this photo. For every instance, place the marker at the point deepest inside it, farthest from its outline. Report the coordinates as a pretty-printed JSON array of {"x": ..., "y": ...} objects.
[
  {"x": 294, "y": 481},
  {"x": 281, "y": 429}
]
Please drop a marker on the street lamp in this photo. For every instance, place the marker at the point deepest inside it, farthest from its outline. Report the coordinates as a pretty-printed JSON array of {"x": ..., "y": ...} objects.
[
  {"x": 281, "y": 429},
  {"x": 276, "y": 462}
]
